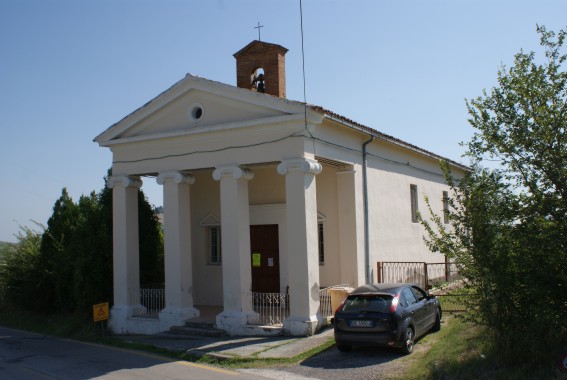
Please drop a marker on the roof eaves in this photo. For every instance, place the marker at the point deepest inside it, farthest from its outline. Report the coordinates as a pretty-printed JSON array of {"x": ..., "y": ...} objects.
[{"x": 391, "y": 139}]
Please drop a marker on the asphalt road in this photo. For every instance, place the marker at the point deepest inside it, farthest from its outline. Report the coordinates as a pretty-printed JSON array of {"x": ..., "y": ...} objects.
[
  {"x": 26, "y": 355},
  {"x": 362, "y": 363}
]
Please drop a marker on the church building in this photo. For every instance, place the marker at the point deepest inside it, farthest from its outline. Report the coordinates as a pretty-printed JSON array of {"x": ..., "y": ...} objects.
[{"x": 261, "y": 194}]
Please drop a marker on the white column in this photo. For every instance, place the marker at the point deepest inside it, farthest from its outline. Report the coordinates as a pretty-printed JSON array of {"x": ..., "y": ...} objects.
[
  {"x": 351, "y": 243},
  {"x": 125, "y": 250},
  {"x": 177, "y": 250},
  {"x": 301, "y": 206},
  {"x": 235, "y": 243}
]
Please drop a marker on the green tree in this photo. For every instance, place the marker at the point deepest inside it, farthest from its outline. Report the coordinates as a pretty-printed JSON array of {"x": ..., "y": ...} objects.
[
  {"x": 68, "y": 267},
  {"x": 92, "y": 245},
  {"x": 56, "y": 257},
  {"x": 20, "y": 269},
  {"x": 509, "y": 224}
]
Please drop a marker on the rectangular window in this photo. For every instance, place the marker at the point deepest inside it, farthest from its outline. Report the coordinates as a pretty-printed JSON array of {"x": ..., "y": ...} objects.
[
  {"x": 321, "y": 245},
  {"x": 413, "y": 194},
  {"x": 445, "y": 207},
  {"x": 214, "y": 245}
]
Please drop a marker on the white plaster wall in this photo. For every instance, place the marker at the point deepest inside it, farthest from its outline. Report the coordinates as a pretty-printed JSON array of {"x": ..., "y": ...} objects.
[
  {"x": 205, "y": 200},
  {"x": 210, "y": 148},
  {"x": 391, "y": 170},
  {"x": 394, "y": 237},
  {"x": 329, "y": 272}
]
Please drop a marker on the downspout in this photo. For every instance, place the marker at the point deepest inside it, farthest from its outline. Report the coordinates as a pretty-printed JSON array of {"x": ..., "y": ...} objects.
[{"x": 365, "y": 200}]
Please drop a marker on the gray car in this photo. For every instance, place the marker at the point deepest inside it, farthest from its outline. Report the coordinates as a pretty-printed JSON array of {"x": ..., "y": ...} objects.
[{"x": 389, "y": 315}]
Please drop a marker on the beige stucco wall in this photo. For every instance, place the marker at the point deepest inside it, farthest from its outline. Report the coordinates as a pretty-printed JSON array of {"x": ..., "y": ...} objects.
[{"x": 205, "y": 200}]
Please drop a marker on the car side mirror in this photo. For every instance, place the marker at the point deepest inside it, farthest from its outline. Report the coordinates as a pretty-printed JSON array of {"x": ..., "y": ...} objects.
[{"x": 332, "y": 320}]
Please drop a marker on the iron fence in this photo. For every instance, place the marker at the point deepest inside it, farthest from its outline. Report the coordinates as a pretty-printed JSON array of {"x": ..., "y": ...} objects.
[
  {"x": 153, "y": 300},
  {"x": 325, "y": 308},
  {"x": 271, "y": 308}
]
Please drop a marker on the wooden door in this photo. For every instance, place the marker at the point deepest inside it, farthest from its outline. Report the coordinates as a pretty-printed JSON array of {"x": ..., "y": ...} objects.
[{"x": 265, "y": 258}]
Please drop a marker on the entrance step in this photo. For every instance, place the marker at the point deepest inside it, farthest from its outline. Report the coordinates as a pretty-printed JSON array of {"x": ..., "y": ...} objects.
[{"x": 197, "y": 329}]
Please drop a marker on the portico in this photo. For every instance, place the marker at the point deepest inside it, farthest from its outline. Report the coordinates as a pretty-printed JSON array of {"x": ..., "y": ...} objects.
[{"x": 300, "y": 206}]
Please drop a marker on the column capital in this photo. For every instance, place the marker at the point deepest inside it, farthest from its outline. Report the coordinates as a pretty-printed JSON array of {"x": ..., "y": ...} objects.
[
  {"x": 176, "y": 177},
  {"x": 236, "y": 171},
  {"x": 303, "y": 165},
  {"x": 124, "y": 180}
]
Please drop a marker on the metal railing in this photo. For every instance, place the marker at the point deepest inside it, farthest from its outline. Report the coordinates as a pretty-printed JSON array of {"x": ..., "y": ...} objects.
[
  {"x": 153, "y": 299},
  {"x": 271, "y": 308},
  {"x": 420, "y": 273},
  {"x": 326, "y": 309}
]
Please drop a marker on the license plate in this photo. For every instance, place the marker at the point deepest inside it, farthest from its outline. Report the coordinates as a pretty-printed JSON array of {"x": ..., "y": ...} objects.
[{"x": 361, "y": 323}]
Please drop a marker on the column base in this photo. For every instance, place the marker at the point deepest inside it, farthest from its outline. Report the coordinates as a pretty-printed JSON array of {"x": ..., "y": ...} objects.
[
  {"x": 298, "y": 326},
  {"x": 119, "y": 314},
  {"x": 234, "y": 323},
  {"x": 176, "y": 316}
]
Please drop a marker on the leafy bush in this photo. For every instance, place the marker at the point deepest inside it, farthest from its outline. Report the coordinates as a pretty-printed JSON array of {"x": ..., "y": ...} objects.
[{"x": 508, "y": 230}]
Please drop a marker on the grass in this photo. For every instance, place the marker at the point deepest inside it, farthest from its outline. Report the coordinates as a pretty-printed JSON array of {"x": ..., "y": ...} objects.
[
  {"x": 462, "y": 351},
  {"x": 459, "y": 351}
]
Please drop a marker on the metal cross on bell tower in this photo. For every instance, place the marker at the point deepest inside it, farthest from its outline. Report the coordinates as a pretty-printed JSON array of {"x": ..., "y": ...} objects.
[{"x": 258, "y": 27}]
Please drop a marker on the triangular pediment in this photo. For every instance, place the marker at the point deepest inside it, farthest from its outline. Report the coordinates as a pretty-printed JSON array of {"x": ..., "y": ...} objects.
[
  {"x": 195, "y": 104},
  {"x": 210, "y": 220}
]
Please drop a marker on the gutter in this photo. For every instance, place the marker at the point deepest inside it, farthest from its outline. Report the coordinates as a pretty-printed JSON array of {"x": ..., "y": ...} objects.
[{"x": 365, "y": 200}]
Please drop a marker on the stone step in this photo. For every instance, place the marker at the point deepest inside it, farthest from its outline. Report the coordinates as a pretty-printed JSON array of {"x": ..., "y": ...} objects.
[
  {"x": 200, "y": 324},
  {"x": 208, "y": 331}
]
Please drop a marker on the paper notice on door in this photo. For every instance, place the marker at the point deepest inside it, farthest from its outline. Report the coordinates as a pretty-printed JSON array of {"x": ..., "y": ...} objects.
[
  {"x": 270, "y": 261},
  {"x": 256, "y": 259}
]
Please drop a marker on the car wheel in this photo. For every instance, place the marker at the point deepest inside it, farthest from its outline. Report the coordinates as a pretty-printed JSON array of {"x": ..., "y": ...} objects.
[
  {"x": 344, "y": 348},
  {"x": 407, "y": 347},
  {"x": 437, "y": 325}
]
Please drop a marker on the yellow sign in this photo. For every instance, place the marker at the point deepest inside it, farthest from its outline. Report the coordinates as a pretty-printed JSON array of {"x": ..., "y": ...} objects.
[
  {"x": 256, "y": 259},
  {"x": 100, "y": 312}
]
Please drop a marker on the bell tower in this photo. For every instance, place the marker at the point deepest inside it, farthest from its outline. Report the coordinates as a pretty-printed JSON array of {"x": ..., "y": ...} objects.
[{"x": 260, "y": 66}]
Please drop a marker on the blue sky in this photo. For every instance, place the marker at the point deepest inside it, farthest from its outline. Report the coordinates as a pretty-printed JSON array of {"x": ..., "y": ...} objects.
[{"x": 69, "y": 69}]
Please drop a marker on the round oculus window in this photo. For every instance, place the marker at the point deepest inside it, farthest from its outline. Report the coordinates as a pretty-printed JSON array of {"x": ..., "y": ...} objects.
[{"x": 196, "y": 112}]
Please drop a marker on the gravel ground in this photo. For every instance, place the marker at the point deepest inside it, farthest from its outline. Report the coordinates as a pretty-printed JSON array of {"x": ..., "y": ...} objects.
[{"x": 361, "y": 364}]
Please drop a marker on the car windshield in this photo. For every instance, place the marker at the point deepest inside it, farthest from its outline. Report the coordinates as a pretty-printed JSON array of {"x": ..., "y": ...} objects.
[{"x": 379, "y": 303}]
